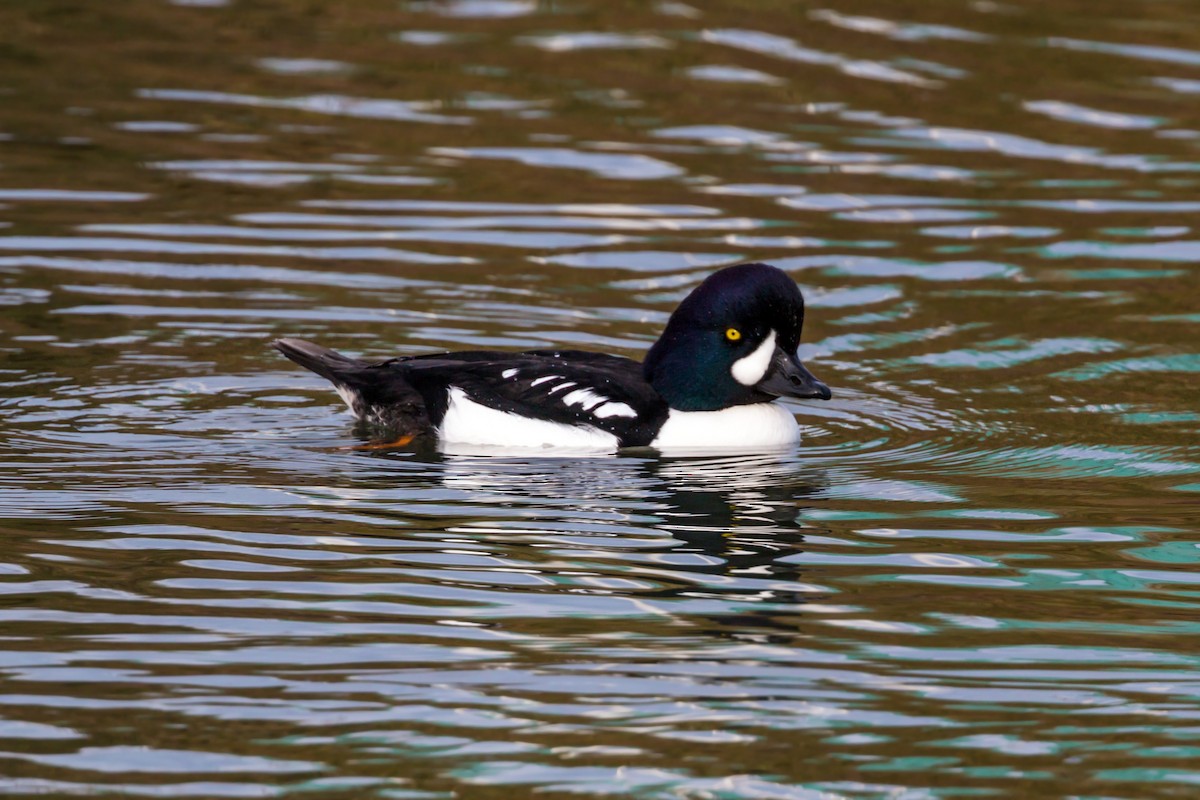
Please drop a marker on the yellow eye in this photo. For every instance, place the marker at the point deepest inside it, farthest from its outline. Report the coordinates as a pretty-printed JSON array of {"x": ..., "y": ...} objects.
[{"x": 733, "y": 334}]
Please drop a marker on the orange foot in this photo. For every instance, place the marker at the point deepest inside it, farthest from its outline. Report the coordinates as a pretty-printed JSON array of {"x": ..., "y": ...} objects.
[{"x": 401, "y": 442}]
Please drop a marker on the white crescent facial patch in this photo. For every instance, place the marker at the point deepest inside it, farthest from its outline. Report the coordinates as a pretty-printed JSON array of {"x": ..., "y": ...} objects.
[{"x": 749, "y": 370}]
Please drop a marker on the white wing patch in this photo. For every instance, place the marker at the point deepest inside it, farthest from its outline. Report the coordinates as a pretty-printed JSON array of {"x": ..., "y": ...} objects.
[
  {"x": 468, "y": 422},
  {"x": 561, "y": 386},
  {"x": 584, "y": 398},
  {"x": 546, "y": 378},
  {"x": 611, "y": 409},
  {"x": 749, "y": 370},
  {"x": 508, "y": 373}
]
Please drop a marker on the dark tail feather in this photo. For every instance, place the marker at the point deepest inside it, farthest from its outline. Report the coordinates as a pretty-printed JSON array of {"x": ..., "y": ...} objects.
[
  {"x": 380, "y": 397},
  {"x": 329, "y": 364}
]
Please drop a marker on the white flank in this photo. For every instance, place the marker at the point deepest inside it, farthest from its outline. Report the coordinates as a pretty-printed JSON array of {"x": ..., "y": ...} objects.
[
  {"x": 351, "y": 398},
  {"x": 584, "y": 397},
  {"x": 752, "y": 427},
  {"x": 468, "y": 422},
  {"x": 547, "y": 378},
  {"x": 749, "y": 370},
  {"x": 611, "y": 409},
  {"x": 508, "y": 373}
]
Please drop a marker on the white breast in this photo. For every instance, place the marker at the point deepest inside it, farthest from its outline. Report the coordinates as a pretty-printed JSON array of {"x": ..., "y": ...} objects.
[
  {"x": 468, "y": 422},
  {"x": 757, "y": 426}
]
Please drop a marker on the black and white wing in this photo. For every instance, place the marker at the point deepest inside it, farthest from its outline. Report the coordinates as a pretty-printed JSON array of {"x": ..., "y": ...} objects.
[{"x": 570, "y": 387}]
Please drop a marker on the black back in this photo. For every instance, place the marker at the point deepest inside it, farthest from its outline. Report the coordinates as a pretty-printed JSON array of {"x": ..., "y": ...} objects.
[{"x": 531, "y": 384}]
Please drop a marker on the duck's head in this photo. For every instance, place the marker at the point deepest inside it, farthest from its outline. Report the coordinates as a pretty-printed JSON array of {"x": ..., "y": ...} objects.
[{"x": 733, "y": 341}]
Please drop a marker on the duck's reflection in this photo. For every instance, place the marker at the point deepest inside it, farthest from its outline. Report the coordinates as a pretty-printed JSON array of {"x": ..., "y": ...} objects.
[
  {"x": 718, "y": 494},
  {"x": 740, "y": 510},
  {"x": 717, "y": 528}
]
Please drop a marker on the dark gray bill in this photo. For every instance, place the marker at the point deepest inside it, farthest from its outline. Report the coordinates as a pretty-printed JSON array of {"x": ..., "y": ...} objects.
[{"x": 787, "y": 377}]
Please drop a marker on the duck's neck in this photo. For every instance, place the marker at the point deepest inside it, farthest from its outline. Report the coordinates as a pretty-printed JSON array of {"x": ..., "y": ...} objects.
[{"x": 692, "y": 377}]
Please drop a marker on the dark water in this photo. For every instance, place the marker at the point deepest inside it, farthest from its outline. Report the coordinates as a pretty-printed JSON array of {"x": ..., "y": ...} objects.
[{"x": 977, "y": 575}]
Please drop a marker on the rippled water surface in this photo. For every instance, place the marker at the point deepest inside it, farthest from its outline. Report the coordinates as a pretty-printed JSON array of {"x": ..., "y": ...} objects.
[{"x": 977, "y": 576}]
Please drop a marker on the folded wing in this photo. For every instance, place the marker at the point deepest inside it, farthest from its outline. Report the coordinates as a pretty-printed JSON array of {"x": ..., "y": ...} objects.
[{"x": 570, "y": 387}]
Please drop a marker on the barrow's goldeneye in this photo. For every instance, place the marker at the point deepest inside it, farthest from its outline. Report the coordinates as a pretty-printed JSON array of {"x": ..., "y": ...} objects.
[{"x": 728, "y": 350}]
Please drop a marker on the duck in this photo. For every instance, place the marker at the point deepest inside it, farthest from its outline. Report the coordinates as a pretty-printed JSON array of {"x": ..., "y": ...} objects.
[{"x": 710, "y": 381}]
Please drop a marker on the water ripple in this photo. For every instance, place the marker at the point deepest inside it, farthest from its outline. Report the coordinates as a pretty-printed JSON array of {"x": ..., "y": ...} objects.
[{"x": 974, "y": 575}]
